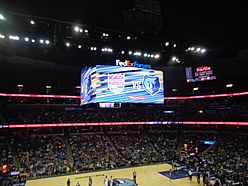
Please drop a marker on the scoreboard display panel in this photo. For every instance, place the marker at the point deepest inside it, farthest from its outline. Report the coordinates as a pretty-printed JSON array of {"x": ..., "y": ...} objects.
[
  {"x": 118, "y": 84},
  {"x": 202, "y": 73}
]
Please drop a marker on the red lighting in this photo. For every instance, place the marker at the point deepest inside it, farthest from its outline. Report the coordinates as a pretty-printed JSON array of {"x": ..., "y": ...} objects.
[
  {"x": 40, "y": 96},
  {"x": 73, "y": 124},
  {"x": 124, "y": 123},
  {"x": 136, "y": 97},
  {"x": 203, "y": 68},
  {"x": 166, "y": 98},
  {"x": 207, "y": 96},
  {"x": 215, "y": 123}
]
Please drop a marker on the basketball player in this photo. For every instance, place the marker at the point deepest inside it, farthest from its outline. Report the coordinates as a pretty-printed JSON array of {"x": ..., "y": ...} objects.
[
  {"x": 134, "y": 176},
  {"x": 198, "y": 177},
  {"x": 90, "y": 181},
  {"x": 68, "y": 182},
  {"x": 190, "y": 175},
  {"x": 105, "y": 182},
  {"x": 111, "y": 181}
]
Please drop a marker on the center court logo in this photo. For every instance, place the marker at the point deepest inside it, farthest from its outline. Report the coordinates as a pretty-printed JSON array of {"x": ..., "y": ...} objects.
[{"x": 116, "y": 82}]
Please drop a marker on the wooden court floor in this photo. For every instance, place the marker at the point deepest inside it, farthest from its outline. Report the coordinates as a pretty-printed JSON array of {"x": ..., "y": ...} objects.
[{"x": 146, "y": 176}]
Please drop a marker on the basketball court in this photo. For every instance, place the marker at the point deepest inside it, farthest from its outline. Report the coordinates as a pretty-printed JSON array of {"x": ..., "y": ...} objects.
[{"x": 146, "y": 176}]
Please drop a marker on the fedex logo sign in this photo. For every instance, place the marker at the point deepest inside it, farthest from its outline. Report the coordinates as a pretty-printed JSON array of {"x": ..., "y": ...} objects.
[{"x": 128, "y": 63}]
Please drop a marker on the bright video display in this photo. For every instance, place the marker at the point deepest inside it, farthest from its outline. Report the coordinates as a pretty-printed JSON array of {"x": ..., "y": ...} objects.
[
  {"x": 202, "y": 73},
  {"x": 118, "y": 84}
]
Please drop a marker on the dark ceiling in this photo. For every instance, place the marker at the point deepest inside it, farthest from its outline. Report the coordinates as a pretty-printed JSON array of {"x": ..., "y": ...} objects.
[{"x": 210, "y": 23}]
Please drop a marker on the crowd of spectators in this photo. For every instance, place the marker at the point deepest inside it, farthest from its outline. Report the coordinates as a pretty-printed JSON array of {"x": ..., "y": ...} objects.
[
  {"x": 226, "y": 160},
  {"x": 217, "y": 110},
  {"x": 93, "y": 151},
  {"x": 59, "y": 115},
  {"x": 42, "y": 155},
  {"x": 6, "y": 156},
  {"x": 136, "y": 148},
  {"x": 76, "y": 150},
  {"x": 166, "y": 144}
]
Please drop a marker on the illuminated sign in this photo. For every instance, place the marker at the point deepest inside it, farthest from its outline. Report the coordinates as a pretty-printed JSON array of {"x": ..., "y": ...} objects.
[
  {"x": 203, "y": 68},
  {"x": 4, "y": 169},
  {"x": 128, "y": 63},
  {"x": 121, "y": 84},
  {"x": 208, "y": 142},
  {"x": 202, "y": 73}
]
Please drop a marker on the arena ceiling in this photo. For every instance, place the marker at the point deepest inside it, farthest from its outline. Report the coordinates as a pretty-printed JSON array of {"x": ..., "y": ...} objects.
[{"x": 211, "y": 23}]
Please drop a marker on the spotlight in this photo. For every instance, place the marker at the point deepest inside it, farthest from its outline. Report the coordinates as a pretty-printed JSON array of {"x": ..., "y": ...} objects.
[
  {"x": 148, "y": 55},
  {"x": 86, "y": 31},
  {"x": 80, "y": 30},
  {"x": 192, "y": 48},
  {"x": 26, "y": 39},
  {"x": 2, "y": 36},
  {"x": 32, "y": 40},
  {"x": 128, "y": 37},
  {"x": 175, "y": 45},
  {"x": 122, "y": 52},
  {"x": 95, "y": 48},
  {"x": 47, "y": 42},
  {"x": 91, "y": 48},
  {"x": 2, "y": 17},
  {"x": 104, "y": 34},
  {"x": 198, "y": 49},
  {"x": 157, "y": 56},
  {"x": 79, "y": 46},
  {"x": 229, "y": 85},
  {"x": 174, "y": 59},
  {"x": 32, "y": 22},
  {"x": 107, "y": 50},
  {"x": 145, "y": 54},
  {"x": 20, "y": 86},
  {"x": 130, "y": 52},
  {"x": 137, "y": 54},
  {"x": 152, "y": 56},
  {"x": 41, "y": 41},
  {"x": 48, "y": 87},
  {"x": 196, "y": 88},
  {"x": 76, "y": 28},
  {"x": 14, "y": 37},
  {"x": 203, "y": 50},
  {"x": 68, "y": 44},
  {"x": 167, "y": 44}
]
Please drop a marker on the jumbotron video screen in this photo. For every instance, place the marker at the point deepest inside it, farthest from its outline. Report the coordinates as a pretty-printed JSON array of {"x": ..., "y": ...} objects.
[
  {"x": 118, "y": 84},
  {"x": 201, "y": 73}
]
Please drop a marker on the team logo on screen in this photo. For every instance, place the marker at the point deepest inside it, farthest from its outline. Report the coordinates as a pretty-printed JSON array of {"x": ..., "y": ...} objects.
[
  {"x": 116, "y": 82},
  {"x": 151, "y": 84}
]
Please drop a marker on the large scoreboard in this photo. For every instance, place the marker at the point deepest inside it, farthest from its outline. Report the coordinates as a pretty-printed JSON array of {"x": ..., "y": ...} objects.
[{"x": 120, "y": 84}]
